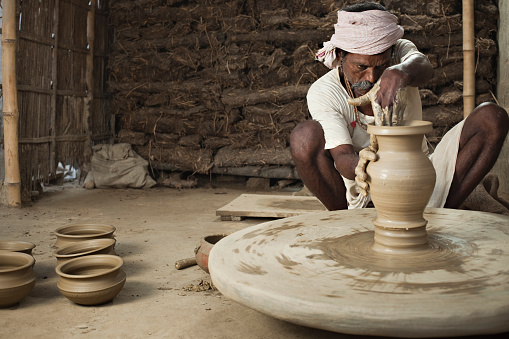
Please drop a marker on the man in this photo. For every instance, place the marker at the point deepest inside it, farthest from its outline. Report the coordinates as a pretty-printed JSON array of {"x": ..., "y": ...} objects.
[{"x": 367, "y": 48}]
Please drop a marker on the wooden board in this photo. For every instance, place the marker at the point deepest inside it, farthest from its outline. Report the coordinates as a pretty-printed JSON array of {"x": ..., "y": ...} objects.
[{"x": 269, "y": 206}]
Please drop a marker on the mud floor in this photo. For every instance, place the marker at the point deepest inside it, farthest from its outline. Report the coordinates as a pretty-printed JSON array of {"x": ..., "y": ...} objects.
[{"x": 155, "y": 227}]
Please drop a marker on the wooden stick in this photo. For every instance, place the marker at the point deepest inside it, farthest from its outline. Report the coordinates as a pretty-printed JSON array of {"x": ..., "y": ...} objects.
[
  {"x": 89, "y": 78},
  {"x": 10, "y": 104},
  {"x": 468, "y": 57},
  {"x": 184, "y": 263},
  {"x": 54, "y": 78}
]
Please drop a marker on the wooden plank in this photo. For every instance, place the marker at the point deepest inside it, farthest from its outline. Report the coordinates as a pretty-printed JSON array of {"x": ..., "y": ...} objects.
[{"x": 269, "y": 206}]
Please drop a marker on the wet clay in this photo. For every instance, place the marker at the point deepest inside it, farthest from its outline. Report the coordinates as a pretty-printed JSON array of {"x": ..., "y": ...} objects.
[
  {"x": 326, "y": 275},
  {"x": 356, "y": 251},
  {"x": 72, "y": 233},
  {"x": 85, "y": 247},
  {"x": 400, "y": 182},
  {"x": 17, "y": 246},
  {"x": 331, "y": 270},
  {"x": 92, "y": 279},
  {"x": 17, "y": 277}
]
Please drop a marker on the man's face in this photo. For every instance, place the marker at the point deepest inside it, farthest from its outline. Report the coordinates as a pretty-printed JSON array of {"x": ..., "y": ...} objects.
[{"x": 363, "y": 71}]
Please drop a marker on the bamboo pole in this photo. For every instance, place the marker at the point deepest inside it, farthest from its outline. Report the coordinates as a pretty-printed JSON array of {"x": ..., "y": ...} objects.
[
  {"x": 10, "y": 105},
  {"x": 54, "y": 76},
  {"x": 468, "y": 57},
  {"x": 89, "y": 78}
]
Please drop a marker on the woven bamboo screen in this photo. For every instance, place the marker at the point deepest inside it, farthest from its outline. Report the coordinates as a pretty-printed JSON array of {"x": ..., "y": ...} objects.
[{"x": 59, "y": 118}]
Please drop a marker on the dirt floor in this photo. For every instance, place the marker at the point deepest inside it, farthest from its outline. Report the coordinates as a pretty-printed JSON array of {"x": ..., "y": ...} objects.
[{"x": 155, "y": 227}]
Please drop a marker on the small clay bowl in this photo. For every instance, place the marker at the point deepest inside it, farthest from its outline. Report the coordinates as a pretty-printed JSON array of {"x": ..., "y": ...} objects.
[
  {"x": 17, "y": 277},
  {"x": 91, "y": 279},
  {"x": 203, "y": 250},
  {"x": 78, "y": 232},
  {"x": 86, "y": 247},
  {"x": 17, "y": 246}
]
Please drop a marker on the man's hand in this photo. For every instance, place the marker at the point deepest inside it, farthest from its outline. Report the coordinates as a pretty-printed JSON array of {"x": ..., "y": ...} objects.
[
  {"x": 391, "y": 115},
  {"x": 367, "y": 98},
  {"x": 365, "y": 156},
  {"x": 391, "y": 82}
]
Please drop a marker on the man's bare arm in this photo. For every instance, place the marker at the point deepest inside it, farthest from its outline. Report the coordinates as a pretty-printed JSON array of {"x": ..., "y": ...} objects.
[
  {"x": 415, "y": 71},
  {"x": 345, "y": 160}
]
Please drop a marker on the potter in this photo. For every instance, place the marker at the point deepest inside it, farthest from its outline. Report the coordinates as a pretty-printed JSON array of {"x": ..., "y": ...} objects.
[
  {"x": 373, "y": 69},
  {"x": 390, "y": 281}
]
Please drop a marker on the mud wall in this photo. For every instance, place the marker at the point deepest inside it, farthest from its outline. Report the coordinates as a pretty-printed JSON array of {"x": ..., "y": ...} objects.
[
  {"x": 502, "y": 166},
  {"x": 218, "y": 86}
]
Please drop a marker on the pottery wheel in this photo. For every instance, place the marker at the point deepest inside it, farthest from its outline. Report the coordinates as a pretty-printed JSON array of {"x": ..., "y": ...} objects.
[{"x": 319, "y": 270}]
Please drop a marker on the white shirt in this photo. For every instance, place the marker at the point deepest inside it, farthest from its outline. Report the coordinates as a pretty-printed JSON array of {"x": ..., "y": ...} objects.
[{"x": 327, "y": 103}]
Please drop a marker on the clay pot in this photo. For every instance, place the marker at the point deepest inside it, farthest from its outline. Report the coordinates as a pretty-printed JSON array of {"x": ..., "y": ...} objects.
[
  {"x": 92, "y": 279},
  {"x": 78, "y": 232},
  {"x": 203, "y": 249},
  {"x": 17, "y": 277},
  {"x": 17, "y": 246},
  {"x": 86, "y": 247},
  {"x": 400, "y": 184}
]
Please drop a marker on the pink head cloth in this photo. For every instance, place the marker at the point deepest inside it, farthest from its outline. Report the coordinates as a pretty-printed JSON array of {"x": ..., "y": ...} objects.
[{"x": 369, "y": 33}]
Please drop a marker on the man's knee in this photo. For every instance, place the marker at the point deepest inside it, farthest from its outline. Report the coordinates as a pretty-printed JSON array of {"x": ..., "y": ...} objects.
[
  {"x": 492, "y": 118},
  {"x": 306, "y": 139}
]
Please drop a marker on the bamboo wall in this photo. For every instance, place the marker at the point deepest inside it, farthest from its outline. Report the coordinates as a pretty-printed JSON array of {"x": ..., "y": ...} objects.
[{"x": 58, "y": 117}]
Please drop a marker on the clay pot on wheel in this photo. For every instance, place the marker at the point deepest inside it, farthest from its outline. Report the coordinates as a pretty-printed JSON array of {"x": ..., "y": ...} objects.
[
  {"x": 78, "y": 232},
  {"x": 400, "y": 184},
  {"x": 203, "y": 250},
  {"x": 17, "y": 277},
  {"x": 92, "y": 279},
  {"x": 17, "y": 246},
  {"x": 86, "y": 247}
]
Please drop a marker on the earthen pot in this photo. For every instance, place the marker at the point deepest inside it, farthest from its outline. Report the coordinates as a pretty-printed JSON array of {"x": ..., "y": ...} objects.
[
  {"x": 91, "y": 279},
  {"x": 86, "y": 247},
  {"x": 203, "y": 249},
  {"x": 17, "y": 277},
  {"x": 401, "y": 182},
  {"x": 78, "y": 232},
  {"x": 17, "y": 246}
]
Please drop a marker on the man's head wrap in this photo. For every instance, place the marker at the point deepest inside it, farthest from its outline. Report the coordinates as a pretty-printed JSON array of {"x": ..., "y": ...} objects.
[{"x": 369, "y": 32}]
